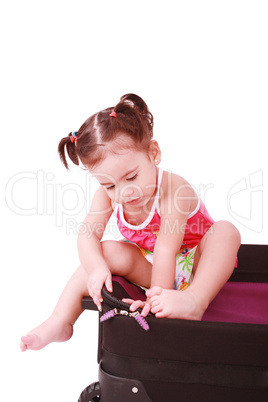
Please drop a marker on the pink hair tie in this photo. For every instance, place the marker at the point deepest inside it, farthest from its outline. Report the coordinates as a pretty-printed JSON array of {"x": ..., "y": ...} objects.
[
  {"x": 113, "y": 114},
  {"x": 74, "y": 138}
]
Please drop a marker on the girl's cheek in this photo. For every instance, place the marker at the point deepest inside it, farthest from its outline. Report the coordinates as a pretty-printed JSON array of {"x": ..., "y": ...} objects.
[{"x": 116, "y": 196}]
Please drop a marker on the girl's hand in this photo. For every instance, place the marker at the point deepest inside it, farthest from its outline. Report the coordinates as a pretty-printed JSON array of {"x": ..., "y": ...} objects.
[
  {"x": 95, "y": 283},
  {"x": 135, "y": 304}
]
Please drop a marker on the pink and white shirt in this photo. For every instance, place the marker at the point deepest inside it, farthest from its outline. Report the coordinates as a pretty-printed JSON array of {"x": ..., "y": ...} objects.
[{"x": 145, "y": 234}]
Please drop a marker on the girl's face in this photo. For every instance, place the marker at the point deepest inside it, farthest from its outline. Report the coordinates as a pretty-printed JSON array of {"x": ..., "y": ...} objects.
[{"x": 129, "y": 176}]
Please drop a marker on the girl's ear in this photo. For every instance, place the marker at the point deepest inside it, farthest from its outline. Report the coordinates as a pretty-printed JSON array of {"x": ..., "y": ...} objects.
[{"x": 154, "y": 152}]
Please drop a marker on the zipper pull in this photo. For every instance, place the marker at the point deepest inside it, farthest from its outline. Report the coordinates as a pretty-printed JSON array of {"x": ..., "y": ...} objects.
[
  {"x": 140, "y": 320},
  {"x": 110, "y": 314},
  {"x": 136, "y": 315}
]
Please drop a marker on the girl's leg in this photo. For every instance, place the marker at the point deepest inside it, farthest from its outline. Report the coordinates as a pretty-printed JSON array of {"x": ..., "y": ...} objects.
[
  {"x": 59, "y": 326},
  {"x": 215, "y": 262},
  {"x": 120, "y": 257},
  {"x": 125, "y": 259},
  {"x": 213, "y": 265}
]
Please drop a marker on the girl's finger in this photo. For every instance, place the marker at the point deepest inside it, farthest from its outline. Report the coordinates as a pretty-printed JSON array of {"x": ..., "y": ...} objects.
[
  {"x": 98, "y": 303},
  {"x": 109, "y": 284}
]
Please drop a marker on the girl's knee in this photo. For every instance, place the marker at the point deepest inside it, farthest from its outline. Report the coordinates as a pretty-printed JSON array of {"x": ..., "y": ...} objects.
[
  {"x": 114, "y": 254},
  {"x": 109, "y": 248},
  {"x": 227, "y": 230}
]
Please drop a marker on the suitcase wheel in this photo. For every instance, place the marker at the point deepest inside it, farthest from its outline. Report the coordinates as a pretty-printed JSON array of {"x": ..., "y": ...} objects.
[{"x": 91, "y": 393}]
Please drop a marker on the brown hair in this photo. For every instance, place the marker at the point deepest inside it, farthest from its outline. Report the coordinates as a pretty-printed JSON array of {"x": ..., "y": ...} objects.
[{"x": 133, "y": 119}]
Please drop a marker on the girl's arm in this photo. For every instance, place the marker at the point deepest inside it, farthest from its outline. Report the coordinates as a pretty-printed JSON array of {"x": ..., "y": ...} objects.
[
  {"x": 89, "y": 246},
  {"x": 175, "y": 207},
  {"x": 177, "y": 201}
]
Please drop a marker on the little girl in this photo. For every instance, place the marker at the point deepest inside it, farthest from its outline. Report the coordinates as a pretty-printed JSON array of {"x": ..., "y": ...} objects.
[{"x": 171, "y": 242}]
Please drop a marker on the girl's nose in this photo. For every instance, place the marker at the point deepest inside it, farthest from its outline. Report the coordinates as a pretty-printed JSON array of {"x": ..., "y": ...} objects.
[{"x": 128, "y": 192}]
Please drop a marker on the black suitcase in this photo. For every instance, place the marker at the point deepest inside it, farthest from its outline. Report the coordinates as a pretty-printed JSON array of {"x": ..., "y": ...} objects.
[{"x": 224, "y": 357}]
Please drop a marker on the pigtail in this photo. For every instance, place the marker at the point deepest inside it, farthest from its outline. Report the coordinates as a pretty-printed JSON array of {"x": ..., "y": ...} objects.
[
  {"x": 66, "y": 145},
  {"x": 137, "y": 103},
  {"x": 134, "y": 118}
]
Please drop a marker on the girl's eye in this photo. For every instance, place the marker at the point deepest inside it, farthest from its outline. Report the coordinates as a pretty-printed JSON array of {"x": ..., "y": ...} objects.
[
  {"x": 129, "y": 179},
  {"x": 133, "y": 177}
]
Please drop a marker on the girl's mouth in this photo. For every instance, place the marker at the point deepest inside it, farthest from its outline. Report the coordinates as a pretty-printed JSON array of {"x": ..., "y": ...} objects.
[{"x": 136, "y": 201}]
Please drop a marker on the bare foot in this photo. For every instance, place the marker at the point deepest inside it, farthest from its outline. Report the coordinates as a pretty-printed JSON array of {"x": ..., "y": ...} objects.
[
  {"x": 175, "y": 304},
  {"x": 52, "y": 330}
]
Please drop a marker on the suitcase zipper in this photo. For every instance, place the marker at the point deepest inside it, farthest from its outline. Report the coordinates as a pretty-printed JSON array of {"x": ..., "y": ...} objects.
[
  {"x": 111, "y": 300},
  {"x": 136, "y": 315}
]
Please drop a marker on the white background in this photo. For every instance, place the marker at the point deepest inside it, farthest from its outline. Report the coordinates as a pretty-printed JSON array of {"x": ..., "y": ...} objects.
[{"x": 201, "y": 66}]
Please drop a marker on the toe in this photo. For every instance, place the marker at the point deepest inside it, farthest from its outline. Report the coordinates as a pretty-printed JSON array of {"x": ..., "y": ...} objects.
[
  {"x": 156, "y": 308},
  {"x": 30, "y": 341},
  {"x": 27, "y": 339},
  {"x": 160, "y": 314},
  {"x": 154, "y": 291},
  {"x": 154, "y": 301},
  {"x": 23, "y": 347},
  {"x": 136, "y": 304}
]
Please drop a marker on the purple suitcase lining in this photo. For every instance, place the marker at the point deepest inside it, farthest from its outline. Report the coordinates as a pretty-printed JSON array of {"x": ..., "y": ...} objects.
[
  {"x": 240, "y": 302},
  {"x": 237, "y": 302}
]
